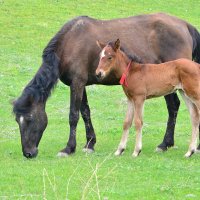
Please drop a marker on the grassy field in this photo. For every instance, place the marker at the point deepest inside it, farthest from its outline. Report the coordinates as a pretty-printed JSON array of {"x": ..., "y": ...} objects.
[{"x": 26, "y": 27}]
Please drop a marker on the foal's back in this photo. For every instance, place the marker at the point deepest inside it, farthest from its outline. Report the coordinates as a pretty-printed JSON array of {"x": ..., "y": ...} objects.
[{"x": 155, "y": 80}]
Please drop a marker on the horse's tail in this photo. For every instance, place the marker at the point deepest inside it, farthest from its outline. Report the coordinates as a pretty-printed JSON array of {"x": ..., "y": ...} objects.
[{"x": 196, "y": 43}]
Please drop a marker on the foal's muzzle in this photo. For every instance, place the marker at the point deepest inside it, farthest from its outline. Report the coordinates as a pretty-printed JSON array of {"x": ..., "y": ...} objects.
[{"x": 100, "y": 75}]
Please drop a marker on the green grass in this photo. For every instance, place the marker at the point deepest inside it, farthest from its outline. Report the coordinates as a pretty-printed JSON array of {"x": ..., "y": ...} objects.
[{"x": 26, "y": 27}]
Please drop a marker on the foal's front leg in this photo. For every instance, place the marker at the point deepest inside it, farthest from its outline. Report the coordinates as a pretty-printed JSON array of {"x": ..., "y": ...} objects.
[
  {"x": 138, "y": 112},
  {"x": 127, "y": 124}
]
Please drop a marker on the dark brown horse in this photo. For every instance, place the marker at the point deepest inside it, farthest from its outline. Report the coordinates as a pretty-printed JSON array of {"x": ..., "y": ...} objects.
[
  {"x": 145, "y": 81},
  {"x": 72, "y": 57}
]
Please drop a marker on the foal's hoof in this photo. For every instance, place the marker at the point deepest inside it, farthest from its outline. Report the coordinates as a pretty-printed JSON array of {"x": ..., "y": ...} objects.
[
  {"x": 136, "y": 153},
  {"x": 189, "y": 153},
  {"x": 62, "y": 155},
  {"x": 119, "y": 152},
  {"x": 87, "y": 150},
  {"x": 198, "y": 149}
]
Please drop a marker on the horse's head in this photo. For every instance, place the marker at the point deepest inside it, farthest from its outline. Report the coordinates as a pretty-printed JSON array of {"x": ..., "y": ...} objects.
[
  {"x": 32, "y": 120},
  {"x": 108, "y": 58}
]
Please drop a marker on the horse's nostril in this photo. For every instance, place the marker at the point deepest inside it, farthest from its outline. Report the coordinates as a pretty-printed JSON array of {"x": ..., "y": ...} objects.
[{"x": 28, "y": 155}]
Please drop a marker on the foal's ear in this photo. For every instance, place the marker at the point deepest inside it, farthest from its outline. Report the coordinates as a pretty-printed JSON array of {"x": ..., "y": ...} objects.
[
  {"x": 117, "y": 44},
  {"x": 100, "y": 44}
]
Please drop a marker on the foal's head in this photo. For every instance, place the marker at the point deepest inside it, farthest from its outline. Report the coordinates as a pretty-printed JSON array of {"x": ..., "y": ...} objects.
[{"x": 109, "y": 58}]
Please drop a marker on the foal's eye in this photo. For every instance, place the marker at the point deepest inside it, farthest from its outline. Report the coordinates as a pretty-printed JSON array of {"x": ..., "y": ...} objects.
[{"x": 110, "y": 58}]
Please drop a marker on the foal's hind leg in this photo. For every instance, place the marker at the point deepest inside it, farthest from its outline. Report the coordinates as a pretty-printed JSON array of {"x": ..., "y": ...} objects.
[
  {"x": 90, "y": 134},
  {"x": 195, "y": 119},
  {"x": 127, "y": 124},
  {"x": 198, "y": 148}
]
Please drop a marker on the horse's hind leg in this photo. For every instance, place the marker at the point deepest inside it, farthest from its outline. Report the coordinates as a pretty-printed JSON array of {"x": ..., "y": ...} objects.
[
  {"x": 127, "y": 124},
  {"x": 173, "y": 104},
  {"x": 90, "y": 134},
  {"x": 195, "y": 119}
]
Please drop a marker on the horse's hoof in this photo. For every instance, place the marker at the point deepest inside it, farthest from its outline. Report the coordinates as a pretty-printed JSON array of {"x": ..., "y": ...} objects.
[
  {"x": 87, "y": 150},
  {"x": 62, "y": 155},
  {"x": 161, "y": 148},
  {"x": 158, "y": 149}
]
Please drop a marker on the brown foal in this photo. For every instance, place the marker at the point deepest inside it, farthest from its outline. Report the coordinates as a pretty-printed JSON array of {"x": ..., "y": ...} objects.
[{"x": 145, "y": 81}]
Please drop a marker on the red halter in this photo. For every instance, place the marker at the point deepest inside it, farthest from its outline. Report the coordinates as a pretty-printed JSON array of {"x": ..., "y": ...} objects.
[{"x": 123, "y": 80}]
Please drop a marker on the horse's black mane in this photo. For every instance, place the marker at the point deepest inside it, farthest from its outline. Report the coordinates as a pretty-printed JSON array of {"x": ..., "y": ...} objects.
[
  {"x": 40, "y": 87},
  {"x": 132, "y": 57}
]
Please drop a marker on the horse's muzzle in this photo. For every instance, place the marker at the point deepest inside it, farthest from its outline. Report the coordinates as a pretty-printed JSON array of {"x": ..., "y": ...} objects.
[{"x": 31, "y": 154}]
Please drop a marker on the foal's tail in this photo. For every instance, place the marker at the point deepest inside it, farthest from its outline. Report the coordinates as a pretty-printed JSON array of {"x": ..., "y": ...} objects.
[{"x": 196, "y": 43}]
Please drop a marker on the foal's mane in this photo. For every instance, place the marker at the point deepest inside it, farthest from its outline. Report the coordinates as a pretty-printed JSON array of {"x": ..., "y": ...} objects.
[{"x": 134, "y": 57}]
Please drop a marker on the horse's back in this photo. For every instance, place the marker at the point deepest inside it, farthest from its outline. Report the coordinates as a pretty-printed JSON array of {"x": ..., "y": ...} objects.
[{"x": 155, "y": 38}]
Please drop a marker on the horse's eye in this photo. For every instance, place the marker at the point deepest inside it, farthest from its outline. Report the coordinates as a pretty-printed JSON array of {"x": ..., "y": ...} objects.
[
  {"x": 29, "y": 118},
  {"x": 110, "y": 58}
]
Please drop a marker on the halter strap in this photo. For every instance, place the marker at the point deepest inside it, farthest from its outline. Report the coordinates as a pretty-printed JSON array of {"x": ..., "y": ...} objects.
[{"x": 123, "y": 80}]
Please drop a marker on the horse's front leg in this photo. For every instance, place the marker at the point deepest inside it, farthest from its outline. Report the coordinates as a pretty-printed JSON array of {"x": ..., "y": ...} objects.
[
  {"x": 173, "y": 104},
  {"x": 127, "y": 124},
  {"x": 90, "y": 134},
  {"x": 76, "y": 94},
  {"x": 138, "y": 121}
]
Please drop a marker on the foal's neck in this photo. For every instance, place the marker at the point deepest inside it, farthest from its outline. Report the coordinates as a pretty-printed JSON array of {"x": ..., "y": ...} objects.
[{"x": 123, "y": 64}]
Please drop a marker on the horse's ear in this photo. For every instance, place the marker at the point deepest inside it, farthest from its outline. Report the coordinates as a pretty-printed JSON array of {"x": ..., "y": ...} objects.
[
  {"x": 100, "y": 44},
  {"x": 117, "y": 44}
]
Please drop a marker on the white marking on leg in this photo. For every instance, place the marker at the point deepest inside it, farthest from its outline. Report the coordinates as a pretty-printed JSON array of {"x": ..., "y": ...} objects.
[
  {"x": 127, "y": 125},
  {"x": 195, "y": 119}
]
